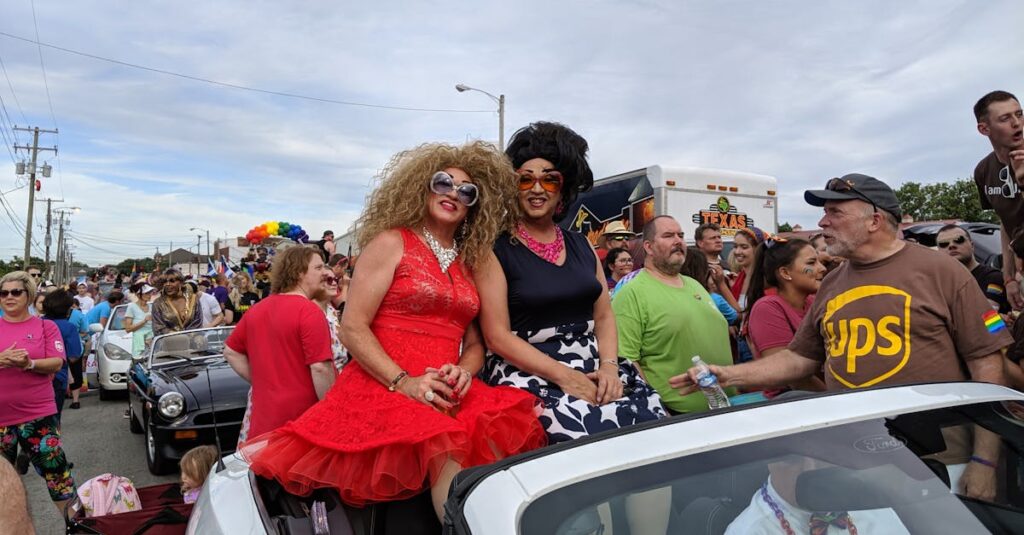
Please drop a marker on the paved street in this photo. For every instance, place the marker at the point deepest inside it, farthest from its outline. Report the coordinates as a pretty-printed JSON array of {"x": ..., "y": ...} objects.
[{"x": 97, "y": 440}]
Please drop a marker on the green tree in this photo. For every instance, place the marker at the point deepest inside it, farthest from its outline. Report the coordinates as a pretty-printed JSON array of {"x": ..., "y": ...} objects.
[
  {"x": 15, "y": 264},
  {"x": 786, "y": 227},
  {"x": 142, "y": 264},
  {"x": 943, "y": 200}
]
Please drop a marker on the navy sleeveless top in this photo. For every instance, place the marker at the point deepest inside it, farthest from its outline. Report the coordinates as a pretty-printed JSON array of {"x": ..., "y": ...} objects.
[{"x": 543, "y": 295}]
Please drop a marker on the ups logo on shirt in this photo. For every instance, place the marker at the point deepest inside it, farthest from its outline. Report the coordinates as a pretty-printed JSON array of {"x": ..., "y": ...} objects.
[{"x": 867, "y": 334}]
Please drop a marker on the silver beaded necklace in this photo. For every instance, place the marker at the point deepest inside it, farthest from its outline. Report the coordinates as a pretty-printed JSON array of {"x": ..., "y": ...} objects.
[{"x": 445, "y": 256}]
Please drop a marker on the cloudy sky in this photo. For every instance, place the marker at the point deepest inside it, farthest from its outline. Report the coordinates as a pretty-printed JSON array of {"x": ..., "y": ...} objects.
[{"x": 799, "y": 90}]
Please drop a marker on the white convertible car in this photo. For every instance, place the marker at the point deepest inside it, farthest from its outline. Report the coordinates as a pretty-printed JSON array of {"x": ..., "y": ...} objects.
[
  {"x": 883, "y": 460},
  {"x": 113, "y": 347}
]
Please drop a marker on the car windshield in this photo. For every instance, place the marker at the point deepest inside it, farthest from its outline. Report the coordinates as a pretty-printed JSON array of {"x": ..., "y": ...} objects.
[
  {"x": 891, "y": 475},
  {"x": 190, "y": 344},
  {"x": 117, "y": 320}
]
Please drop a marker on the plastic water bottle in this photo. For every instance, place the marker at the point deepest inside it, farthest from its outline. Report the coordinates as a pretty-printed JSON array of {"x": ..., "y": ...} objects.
[{"x": 709, "y": 386}]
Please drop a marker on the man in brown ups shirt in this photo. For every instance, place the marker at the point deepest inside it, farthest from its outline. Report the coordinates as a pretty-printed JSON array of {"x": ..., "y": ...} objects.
[{"x": 894, "y": 313}]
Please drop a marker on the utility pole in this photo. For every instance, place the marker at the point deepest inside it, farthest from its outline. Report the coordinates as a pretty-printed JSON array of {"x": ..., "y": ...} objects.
[
  {"x": 59, "y": 267},
  {"x": 49, "y": 223},
  {"x": 32, "y": 184}
]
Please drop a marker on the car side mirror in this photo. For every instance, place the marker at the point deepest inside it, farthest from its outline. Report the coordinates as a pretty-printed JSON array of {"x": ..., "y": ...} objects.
[{"x": 95, "y": 328}]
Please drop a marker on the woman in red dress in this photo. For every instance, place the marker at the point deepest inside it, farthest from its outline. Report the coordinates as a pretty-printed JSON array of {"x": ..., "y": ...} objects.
[{"x": 407, "y": 409}]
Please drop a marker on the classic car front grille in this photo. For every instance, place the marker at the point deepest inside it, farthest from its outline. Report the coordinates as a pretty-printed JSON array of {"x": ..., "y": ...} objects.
[{"x": 223, "y": 417}]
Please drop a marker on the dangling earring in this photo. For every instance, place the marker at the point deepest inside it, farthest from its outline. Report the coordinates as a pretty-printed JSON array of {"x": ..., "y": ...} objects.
[{"x": 463, "y": 231}]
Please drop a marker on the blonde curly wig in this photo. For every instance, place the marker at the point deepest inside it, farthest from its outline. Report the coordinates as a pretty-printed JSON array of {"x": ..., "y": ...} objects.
[{"x": 399, "y": 200}]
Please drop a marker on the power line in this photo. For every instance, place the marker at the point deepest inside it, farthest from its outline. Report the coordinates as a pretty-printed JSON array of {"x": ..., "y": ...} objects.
[
  {"x": 122, "y": 241},
  {"x": 19, "y": 226},
  {"x": 46, "y": 84},
  {"x": 91, "y": 246},
  {"x": 14, "y": 227},
  {"x": 13, "y": 94},
  {"x": 6, "y": 124},
  {"x": 237, "y": 86},
  {"x": 42, "y": 65},
  {"x": 7, "y": 142}
]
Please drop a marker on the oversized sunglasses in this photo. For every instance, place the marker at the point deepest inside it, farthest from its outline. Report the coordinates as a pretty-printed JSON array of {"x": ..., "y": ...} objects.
[
  {"x": 551, "y": 181},
  {"x": 442, "y": 184},
  {"x": 17, "y": 292},
  {"x": 839, "y": 185},
  {"x": 331, "y": 280},
  {"x": 959, "y": 240}
]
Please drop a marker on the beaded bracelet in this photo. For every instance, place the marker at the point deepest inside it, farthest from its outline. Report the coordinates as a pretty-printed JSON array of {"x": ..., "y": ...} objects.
[{"x": 986, "y": 462}]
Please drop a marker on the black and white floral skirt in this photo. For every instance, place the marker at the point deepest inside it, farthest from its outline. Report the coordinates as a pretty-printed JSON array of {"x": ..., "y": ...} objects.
[{"x": 566, "y": 417}]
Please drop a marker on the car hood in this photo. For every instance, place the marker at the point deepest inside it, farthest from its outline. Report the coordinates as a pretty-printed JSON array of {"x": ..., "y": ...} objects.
[
  {"x": 122, "y": 339},
  {"x": 229, "y": 390}
]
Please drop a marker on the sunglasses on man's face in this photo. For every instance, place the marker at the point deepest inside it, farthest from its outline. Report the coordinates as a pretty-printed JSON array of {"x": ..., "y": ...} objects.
[
  {"x": 550, "y": 181},
  {"x": 442, "y": 184},
  {"x": 331, "y": 280},
  {"x": 959, "y": 240},
  {"x": 35, "y": 275},
  {"x": 839, "y": 185},
  {"x": 17, "y": 292},
  {"x": 617, "y": 238}
]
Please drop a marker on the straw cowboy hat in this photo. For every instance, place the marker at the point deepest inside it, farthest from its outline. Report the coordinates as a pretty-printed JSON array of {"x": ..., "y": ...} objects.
[{"x": 617, "y": 228}]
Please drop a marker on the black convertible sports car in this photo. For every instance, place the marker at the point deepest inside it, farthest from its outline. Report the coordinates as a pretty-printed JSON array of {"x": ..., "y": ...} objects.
[{"x": 176, "y": 391}]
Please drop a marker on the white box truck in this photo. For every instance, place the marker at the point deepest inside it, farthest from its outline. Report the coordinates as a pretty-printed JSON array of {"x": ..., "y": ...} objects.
[{"x": 734, "y": 200}]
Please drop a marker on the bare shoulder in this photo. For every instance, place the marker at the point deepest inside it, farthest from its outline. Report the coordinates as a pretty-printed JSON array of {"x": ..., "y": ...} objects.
[
  {"x": 488, "y": 267},
  {"x": 387, "y": 244}
]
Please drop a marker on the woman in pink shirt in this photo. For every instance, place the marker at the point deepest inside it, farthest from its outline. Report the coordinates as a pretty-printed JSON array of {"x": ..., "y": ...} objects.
[
  {"x": 31, "y": 351},
  {"x": 788, "y": 270}
]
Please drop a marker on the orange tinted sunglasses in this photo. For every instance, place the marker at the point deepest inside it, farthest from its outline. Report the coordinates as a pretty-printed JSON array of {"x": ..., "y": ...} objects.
[{"x": 551, "y": 181}]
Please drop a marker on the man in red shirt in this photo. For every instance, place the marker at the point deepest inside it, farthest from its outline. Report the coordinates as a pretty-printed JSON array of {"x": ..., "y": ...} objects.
[{"x": 282, "y": 346}]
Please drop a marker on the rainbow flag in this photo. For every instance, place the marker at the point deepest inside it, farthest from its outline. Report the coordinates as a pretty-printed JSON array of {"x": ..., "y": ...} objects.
[
  {"x": 995, "y": 289},
  {"x": 993, "y": 321}
]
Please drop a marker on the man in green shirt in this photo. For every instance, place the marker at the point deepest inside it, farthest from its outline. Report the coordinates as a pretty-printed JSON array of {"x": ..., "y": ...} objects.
[{"x": 665, "y": 318}]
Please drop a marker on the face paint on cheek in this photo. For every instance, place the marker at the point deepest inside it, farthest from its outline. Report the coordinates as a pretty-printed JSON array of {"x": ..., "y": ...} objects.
[{"x": 808, "y": 271}]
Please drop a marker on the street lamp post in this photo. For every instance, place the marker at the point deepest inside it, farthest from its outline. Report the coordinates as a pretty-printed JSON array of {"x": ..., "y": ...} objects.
[
  {"x": 500, "y": 99},
  {"x": 193, "y": 229}
]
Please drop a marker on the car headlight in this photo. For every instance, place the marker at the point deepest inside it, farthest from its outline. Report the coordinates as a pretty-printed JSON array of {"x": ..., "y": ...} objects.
[
  {"x": 116, "y": 352},
  {"x": 171, "y": 405}
]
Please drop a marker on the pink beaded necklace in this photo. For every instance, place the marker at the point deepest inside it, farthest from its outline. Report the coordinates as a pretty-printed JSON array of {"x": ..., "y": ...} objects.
[{"x": 547, "y": 251}]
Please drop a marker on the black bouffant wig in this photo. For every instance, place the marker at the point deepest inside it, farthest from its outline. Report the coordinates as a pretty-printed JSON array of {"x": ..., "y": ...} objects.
[{"x": 561, "y": 146}]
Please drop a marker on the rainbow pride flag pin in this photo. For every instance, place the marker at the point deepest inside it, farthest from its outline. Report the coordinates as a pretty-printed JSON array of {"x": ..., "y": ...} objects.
[{"x": 993, "y": 321}]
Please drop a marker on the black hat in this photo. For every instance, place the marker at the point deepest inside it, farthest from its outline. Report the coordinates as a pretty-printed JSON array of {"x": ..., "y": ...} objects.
[{"x": 856, "y": 187}]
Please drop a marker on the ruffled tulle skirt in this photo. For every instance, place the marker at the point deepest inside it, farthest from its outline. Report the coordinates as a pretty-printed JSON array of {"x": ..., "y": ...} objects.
[{"x": 372, "y": 445}]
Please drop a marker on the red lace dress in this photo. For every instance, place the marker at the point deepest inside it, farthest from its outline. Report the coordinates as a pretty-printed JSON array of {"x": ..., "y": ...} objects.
[{"x": 374, "y": 445}]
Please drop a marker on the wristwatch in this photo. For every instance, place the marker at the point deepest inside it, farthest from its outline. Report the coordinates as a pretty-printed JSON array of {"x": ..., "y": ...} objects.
[{"x": 31, "y": 365}]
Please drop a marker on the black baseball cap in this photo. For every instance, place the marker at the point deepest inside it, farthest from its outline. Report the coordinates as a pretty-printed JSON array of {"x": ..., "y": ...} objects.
[{"x": 855, "y": 186}]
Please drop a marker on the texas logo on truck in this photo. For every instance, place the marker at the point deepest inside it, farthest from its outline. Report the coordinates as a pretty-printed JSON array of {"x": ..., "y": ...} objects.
[{"x": 724, "y": 214}]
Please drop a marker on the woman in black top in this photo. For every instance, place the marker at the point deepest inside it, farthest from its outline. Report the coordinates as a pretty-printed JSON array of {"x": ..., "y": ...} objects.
[
  {"x": 545, "y": 314},
  {"x": 242, "y": 297}
]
